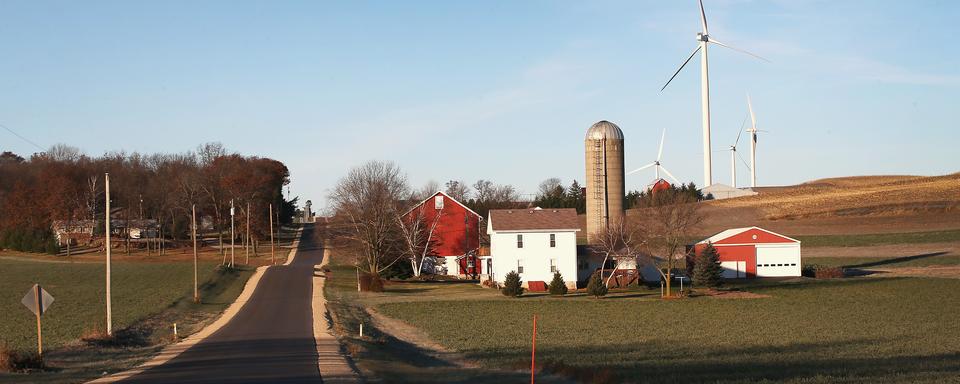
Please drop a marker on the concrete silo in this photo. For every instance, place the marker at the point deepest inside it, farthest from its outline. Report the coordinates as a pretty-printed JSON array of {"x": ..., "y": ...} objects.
[{"x": 605, "y": 188}]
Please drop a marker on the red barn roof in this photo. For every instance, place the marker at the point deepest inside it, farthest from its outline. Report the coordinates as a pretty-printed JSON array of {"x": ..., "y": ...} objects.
[{"x": 747, "y": 235}]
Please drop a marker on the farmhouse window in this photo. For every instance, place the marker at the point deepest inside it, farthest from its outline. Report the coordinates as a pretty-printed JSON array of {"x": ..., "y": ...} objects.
[
  {"x": 519, "y": 241},
  {"x": 553, "y": 240},
  {"x": 553, "y": 265},
  {"x": 438, "y": 202},
  {"x": 519, "y": 267}
]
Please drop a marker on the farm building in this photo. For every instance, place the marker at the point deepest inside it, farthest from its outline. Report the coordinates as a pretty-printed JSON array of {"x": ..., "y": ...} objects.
[
  {"x": 533, "y": 242},
  {"x": 455, "y": 236},
  {"x": 754, "y": 252}
]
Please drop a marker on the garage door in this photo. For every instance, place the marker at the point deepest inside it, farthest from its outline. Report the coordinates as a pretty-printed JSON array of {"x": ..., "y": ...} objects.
[
  {"x": 774, "y": 261},
  {"x": 734, "y": 269}
]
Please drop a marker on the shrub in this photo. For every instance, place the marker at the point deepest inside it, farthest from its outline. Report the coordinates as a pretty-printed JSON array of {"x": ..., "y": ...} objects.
[
  {"x": 822, "y": 271},
  {"x": 706, "y": 269},
  {"x": 512, "y": 285},
  {"x": 557, "y": 286},
  {"x": 596, "y": 287},
  {"x": 17, "y": 361},
  {"x": 401, "y": 270},
  {"x": 376, "y": 283}
]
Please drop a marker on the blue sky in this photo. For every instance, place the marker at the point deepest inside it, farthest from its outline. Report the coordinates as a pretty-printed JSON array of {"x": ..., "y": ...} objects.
[{"x": 499, "y": 90}]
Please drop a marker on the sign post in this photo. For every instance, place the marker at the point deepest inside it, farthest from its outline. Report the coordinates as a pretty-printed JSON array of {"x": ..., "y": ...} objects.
[{"x": 37, "y": 301}]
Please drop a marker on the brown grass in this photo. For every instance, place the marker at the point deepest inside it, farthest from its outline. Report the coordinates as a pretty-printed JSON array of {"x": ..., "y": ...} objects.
[
  {"x": 867, "y": 196},
  {"x": 12, "y": 361}
]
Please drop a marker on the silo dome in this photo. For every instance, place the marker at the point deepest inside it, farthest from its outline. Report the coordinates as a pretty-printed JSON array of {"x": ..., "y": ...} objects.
[{"x": 604, "y": 130}]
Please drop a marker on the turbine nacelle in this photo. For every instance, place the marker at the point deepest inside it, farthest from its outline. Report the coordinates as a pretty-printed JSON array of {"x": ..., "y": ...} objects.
[{"x": 702, "y": 37}]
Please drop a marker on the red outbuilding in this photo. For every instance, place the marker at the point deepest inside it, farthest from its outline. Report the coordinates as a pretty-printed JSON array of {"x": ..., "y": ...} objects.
[
  {"x": 754, "y": 252},
  {"x": 456, "y": 237}
]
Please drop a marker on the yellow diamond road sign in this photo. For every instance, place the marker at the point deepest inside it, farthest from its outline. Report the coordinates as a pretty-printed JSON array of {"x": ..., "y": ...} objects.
[{"x": 38, "y": 307}]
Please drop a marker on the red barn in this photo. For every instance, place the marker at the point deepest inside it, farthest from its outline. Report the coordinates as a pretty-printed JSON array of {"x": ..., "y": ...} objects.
[
  {"x": 754, "y": 252},
  {"x": 456, "y": 237}
]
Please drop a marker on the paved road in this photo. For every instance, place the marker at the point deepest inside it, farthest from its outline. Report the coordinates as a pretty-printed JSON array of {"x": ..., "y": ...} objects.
[{"x": 269, "y": 341}]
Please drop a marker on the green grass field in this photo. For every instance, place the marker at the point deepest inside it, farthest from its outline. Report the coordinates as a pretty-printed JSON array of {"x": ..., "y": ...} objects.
[
  {"x": 885, "y": 262},
  {"x": 879, "y": 239},
  {"x": 139, "y": 290},
  {"x": 882, "y": 330}
]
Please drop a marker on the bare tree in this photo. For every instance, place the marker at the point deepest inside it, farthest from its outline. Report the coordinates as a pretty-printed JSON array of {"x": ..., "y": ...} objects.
[
  {"x": 458, "y": 190},
  {"x": 426, "y": 191},
  {"x": 368, "y": 200},
  {"x": 620, "y": 242},
  {"x": 668, "y": 224},
  {"x": 417, "y": 231}
]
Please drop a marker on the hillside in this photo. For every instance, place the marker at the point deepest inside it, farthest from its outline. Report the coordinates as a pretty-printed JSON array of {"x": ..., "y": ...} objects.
[
  {"x": 846, "y": 205},
  {"x": 855, "y": 196}
]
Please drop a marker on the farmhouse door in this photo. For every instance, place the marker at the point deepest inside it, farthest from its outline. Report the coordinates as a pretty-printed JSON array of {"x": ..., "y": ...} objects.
[{"x": 741, "y": 269}]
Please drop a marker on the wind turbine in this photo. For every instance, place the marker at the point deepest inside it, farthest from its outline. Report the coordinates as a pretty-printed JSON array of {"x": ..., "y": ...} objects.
[
  {"x": 753, "y": 143},
  {"x": 656, "y": 164},
  {"x": 734, "y": 155},
  {"x": 703, "y": 37}
]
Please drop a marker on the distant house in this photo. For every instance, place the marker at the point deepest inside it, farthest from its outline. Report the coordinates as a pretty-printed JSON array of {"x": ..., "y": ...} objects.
[
  {"x": 754, "y": 252},
  {"x": 73, "y": 232},
  {"x": 533, "y": 242},
  {"x": 456, "y": 238}
]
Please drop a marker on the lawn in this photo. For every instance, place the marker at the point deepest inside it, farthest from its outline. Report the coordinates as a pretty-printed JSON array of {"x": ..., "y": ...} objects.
[
  {"x": 869, "y": 329},
  {"x": 885, "y": 262},
  {"x": 879, "y": 239},
  {"x": 139, "y": 289}
]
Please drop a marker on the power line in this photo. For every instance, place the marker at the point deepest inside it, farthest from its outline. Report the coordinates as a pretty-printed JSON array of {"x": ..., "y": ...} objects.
[{"x": 22, "y": 138}]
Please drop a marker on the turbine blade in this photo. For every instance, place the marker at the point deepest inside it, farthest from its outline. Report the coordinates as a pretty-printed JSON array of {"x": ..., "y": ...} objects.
[
  {"x": 660, "y": 151},
  {"x": 737, "y": 49},
  {"x": 641, "y": 168},
  {"x": 739, "y": 132},
  {"x": 681, "y": 68},
  {"x": 703, "y": 18},
  {"x": 753, "y": 118},
  {"x": 670, "y": 174}
]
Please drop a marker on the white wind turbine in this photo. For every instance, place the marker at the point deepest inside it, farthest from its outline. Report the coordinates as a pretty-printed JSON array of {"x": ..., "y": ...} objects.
[
  {"x": 753, "y": 143},
  {"x": 656, "y": 164},
  {"x": 734, "y": 155},
  {"x": 702, "y": 39}
]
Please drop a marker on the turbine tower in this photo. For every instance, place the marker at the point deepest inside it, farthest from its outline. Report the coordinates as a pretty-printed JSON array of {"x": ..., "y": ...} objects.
[
  {"x": 753, "y": 143},
  {"x": 703, "y": 37},
  {"x": 656, "y": 164}
]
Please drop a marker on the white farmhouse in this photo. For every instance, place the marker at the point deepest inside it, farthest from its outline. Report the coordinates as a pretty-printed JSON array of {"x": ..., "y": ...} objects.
[{"x": 535, "y": 243}]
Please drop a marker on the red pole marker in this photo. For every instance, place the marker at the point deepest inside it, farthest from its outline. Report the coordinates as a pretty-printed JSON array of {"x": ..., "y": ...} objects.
[{"x": 533, "y": 354}]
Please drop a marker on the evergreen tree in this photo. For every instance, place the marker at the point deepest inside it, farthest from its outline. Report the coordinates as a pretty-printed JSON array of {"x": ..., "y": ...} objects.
[
  {"x": 512, "y": 285},
  {"x": 576, "y": 198},
  {"x": 557, "y": 286},
  {"x": 706, "y": 269},
  {"x": 596, "y": 287}
]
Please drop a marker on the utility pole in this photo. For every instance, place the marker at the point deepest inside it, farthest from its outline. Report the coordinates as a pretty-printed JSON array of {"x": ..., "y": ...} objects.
[
  {"x": 232, "y": 235},
  {"x": 106, "y": 245},
  {"x": 273, "y": 255},
  {"x": 196, "y": 289},
  {"x": 246, "y": 250}
]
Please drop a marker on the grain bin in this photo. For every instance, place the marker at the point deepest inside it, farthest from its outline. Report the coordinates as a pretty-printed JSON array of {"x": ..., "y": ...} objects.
[{"x": 605, "y": 189}]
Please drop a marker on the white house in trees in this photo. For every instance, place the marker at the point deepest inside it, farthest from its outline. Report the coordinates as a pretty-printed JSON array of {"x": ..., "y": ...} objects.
[{"x": 535, "y": 243}]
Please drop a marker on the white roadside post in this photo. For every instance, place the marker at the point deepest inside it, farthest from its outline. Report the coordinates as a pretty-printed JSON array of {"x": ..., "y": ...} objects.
[
  {"x": 106, "y": 245},
  {"x": 273, "y": 254},
  {"x": 232, "y": 235},
  {"x": 196, "y": 283}
]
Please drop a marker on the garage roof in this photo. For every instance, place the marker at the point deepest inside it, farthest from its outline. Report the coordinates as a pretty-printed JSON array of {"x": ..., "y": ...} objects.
[{"x": 743, "y": 236}]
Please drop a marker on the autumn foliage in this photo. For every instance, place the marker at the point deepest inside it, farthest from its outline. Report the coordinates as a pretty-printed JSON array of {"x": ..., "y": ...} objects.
[{"x": 63, "y": 183}]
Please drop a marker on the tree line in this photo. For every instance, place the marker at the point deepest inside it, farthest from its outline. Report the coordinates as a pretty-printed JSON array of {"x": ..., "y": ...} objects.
[{"x": 65, "y": 184}]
